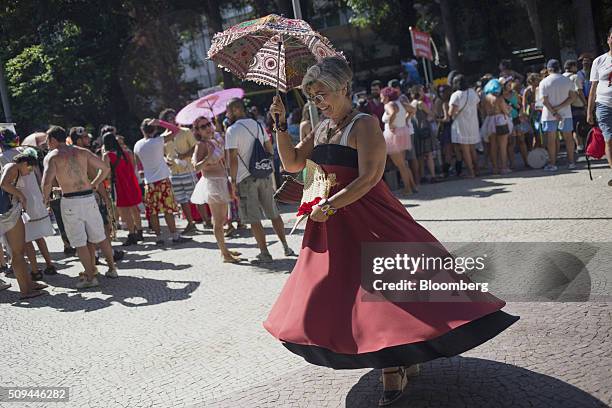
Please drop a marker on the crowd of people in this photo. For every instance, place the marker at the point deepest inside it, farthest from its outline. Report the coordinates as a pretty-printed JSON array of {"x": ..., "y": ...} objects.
[
  {"x": 92, "y": 188},
  {"x": 225, "y": 170},
  {"x": 462, "y": 128}
]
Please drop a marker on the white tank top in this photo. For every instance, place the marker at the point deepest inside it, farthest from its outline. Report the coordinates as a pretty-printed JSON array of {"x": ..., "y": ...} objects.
[
  {"x": 345, "y": 133},
  {"x": 400, "y": 116}
]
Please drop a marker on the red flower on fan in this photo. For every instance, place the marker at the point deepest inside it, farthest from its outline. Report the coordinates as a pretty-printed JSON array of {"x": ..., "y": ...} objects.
[{"x": 306, "y": 208}]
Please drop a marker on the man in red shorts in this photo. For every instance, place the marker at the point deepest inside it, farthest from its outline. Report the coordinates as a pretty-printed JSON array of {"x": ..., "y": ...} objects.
[{"x": 159, "y": 198}]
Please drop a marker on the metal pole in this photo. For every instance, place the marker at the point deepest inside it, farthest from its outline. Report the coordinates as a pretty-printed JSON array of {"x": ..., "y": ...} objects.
[
  {"x": 4, "y": 96},
  {"x": 297, "y": 10},
  {"x": 312, "y": 109},
  {"x": 425, "y": 71}
]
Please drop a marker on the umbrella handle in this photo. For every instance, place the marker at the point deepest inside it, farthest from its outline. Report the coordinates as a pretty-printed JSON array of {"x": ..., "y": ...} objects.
[{"x": 280, "y": 44}]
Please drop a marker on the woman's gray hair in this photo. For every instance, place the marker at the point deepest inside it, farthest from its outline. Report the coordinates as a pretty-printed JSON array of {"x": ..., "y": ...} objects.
[{"x": 332, "y": 72}]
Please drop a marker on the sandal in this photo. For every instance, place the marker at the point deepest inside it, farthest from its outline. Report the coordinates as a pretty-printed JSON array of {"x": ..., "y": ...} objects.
[
  {"x": 50, "y": 270},
  {"x": 39, "y": 286},
  {"x": 235, "y": 253},
  {"x": 229, "y": 231},
  {"x": 399, "y": 381},
  {"x": 33, "y": 294},
  {"x": 4, "y": 285},
  {"x": 36, "y": 276},
  {"x": 411, "y": 371},
  {"x": 232, "y": 259}
]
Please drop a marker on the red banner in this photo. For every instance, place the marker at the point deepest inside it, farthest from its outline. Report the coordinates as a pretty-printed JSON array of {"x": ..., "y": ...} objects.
[{"x": 421, "y": 44}]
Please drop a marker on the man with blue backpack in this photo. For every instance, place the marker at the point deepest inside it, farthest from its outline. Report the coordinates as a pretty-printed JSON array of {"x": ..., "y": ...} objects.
[{"x": 251, "y": 167}]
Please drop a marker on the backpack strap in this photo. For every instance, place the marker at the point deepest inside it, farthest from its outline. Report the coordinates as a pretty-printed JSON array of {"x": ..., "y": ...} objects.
[
  {"x": 586, "y": 155},
  {"x": 254, "y": 136}
]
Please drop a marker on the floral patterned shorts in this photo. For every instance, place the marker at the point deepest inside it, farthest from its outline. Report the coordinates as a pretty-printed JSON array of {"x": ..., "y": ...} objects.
[{"x": 159, "y": 198}]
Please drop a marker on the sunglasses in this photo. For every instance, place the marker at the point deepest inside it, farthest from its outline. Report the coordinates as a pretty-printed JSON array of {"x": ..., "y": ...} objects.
[
  {"x": 320, "y": 98},
  {"x": 202, "y": 127},
  {"x": 317, "y": 99}
]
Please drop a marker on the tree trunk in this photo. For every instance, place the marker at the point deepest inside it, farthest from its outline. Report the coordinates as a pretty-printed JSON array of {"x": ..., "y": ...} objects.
[
  {"x": 584, "y": 26},
  {"x": 549, "y": 22},
  {"x": 450, "y": 38},
  {"x": 284, "y": 8},
  {"x": 215, "y": 25},
  {"x": 534, "y": 20},
  {"x": 261, "y": 7}
]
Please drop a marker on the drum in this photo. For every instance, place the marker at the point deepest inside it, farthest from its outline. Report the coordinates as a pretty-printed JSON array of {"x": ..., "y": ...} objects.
[{"x": 537, "y": 158}]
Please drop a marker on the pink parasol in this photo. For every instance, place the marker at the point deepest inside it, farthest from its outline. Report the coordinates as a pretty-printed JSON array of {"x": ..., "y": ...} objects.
[
  {"x": 35, "y": 139},
  {"x": 271, "y": 50},
  {"x": 208, "y": 106}
]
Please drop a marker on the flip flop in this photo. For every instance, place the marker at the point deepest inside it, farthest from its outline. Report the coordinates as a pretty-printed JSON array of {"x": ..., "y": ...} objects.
[
  {"x": 235, "y": 253},
  {"x": 231, "y": 260},
  {"x": 36, "y": 275},
  {"x": 4, "y": 286},
  {"x": 39, "y": 286},
  {"x": 33, "y": 294}
]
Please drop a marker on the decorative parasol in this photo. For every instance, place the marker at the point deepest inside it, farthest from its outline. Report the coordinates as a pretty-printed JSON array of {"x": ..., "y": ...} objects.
[
  {"x": 208, "y": 106},
  {"x": 271, "y": 50}
]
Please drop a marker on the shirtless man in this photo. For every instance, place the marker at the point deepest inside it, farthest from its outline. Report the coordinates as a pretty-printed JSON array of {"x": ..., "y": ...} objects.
[
  {"x": 81, "y": 138},
  {"x": 82, "y": 220}
]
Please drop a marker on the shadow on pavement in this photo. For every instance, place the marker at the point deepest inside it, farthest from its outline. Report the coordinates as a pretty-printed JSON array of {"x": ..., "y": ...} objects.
[
  {"x": 285, "y": 265},
  {"x": 474, "y": 382},
  {"x": 128, "y": 291}
]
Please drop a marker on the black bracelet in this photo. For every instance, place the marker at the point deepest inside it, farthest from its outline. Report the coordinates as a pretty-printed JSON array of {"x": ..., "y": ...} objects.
[{"x": 281, "y": 127}]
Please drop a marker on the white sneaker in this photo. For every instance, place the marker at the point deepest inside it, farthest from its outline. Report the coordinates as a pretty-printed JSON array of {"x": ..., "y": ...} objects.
[
  {"x": 111, "y": 273},
  {"x": 550, "y": 167},
  {"x": 571, "y": 166},
  {"x": 85, "y": 284}
]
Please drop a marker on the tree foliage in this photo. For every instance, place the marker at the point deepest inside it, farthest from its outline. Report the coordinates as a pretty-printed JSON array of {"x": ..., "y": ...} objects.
[
  {"x": 389, "y": 19},
  {"x": 92, "y": 61}
]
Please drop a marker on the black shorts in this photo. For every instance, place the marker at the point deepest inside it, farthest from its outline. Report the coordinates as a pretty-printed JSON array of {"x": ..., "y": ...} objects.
[
  {"x": 578, "y": 119},
  {"x": 501, "y": 130}
]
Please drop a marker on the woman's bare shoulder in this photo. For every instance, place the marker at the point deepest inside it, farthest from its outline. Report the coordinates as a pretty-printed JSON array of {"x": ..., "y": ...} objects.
[
  {"x": 366, "y": 122},
  {"x": 367, "y": 126}
]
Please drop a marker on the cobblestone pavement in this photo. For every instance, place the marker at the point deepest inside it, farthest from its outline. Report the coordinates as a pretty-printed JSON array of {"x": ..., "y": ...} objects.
[{"x": 181, "y": 329}]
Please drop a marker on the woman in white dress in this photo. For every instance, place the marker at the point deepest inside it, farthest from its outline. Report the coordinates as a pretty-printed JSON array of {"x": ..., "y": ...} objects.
[
  {"x": 36, "y": 219},
  {"x": 212, "y": 187},
  {"x": 11, "y": 224},
  {"x": 464, "y": 129}
]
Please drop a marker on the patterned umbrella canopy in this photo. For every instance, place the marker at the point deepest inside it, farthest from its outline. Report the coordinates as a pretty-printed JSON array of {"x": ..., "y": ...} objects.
[{"x": 250, "y": 50}]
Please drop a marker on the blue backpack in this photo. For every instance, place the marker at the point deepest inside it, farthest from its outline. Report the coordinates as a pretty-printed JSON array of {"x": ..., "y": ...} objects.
[{"x": 260, "y": 164}]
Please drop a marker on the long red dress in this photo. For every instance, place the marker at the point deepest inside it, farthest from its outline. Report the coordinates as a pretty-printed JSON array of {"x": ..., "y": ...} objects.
[
  {"x": 321, "y": 313},
  {"x": 127, "y": 190}
]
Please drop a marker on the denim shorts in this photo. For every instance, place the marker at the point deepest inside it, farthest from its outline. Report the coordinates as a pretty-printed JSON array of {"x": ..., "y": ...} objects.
[
  {"x": 604, "y": 120},
  {"x": 553, "y": 125}
]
